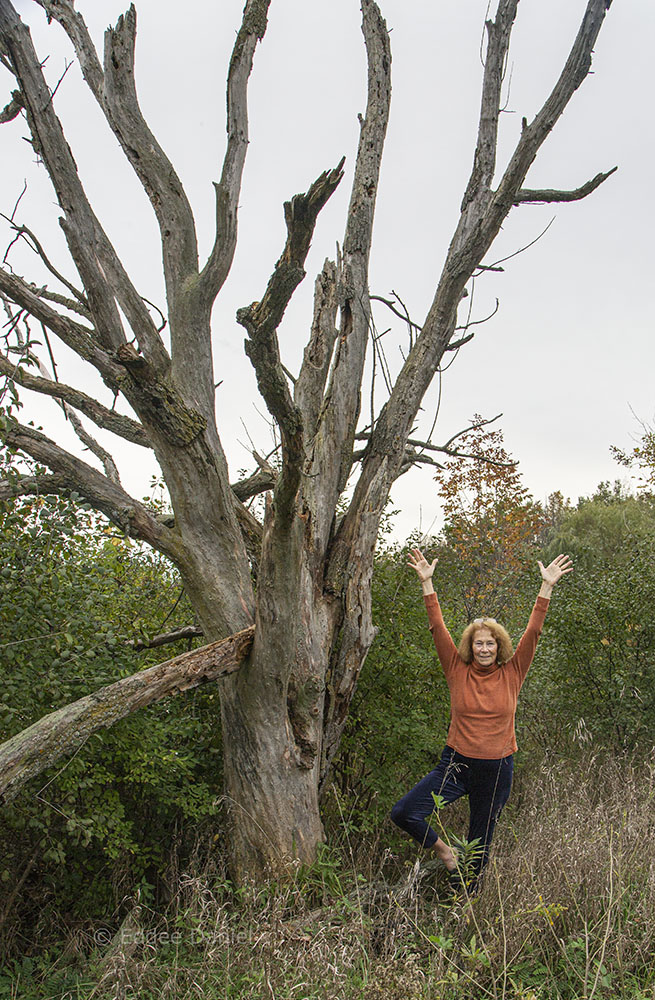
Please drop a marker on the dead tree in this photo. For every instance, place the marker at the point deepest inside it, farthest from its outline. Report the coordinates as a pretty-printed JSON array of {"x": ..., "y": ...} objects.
[{"x": 284, "y": 709}]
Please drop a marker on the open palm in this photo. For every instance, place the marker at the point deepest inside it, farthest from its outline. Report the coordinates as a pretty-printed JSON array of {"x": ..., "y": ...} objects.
[
  {"x": 556, "y": 570},
  {"x": 418, "y": 562}
]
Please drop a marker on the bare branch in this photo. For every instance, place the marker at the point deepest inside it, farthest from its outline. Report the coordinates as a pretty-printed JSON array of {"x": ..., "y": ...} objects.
[
  {"x": 484, "y": 163},
  {"x": 478, "y": 226},
  {"x": 359, "y": 229},
  {"x": 59, "y": 734},
  {"x": 533, "y": 135},
  {"x": 217, "y": 268},
  {"x": 515, "y": 253},
  {"x": 476, "y": 322},
  {"x": 115, "y": 91},
  {"x": 403, "y": 316},
  {"x": 102, "y": 273},
  {"x": 63, "y": 300},
  {"x": 261, "y": 320},
  {"x": 341, "y": 406},
  {"x": 413, "y": 458},
  {"x": 80, "y": 225},
  {"x": 187, "y": 632},
  {"x": 34, "y": 244},
  {"x": 153, "y": 168},
  {"x": 71, "y": 473},
  {"x": 76, "y": 336},
  {"x": 456, "y": 344},
  {"x": 259, "y": 482},
  {"x": 310, "y": 384},
  {"x": 73, "y": 24},
  {"x": 417, "y": 458},
  {"x": 445, "y": 449},
  {"x": 117, "y": 423},
  {"x": 94, "y": 446},
  {"x": 548, "y": 195},
  {"x": 476, "y": 425}
]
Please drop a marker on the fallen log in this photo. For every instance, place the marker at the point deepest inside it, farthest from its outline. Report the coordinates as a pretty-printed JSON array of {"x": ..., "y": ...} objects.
[{"x": 60, "y": 733}]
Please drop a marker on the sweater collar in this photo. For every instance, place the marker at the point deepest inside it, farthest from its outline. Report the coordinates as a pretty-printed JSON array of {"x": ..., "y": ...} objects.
[{"x": 485, "y": 671}]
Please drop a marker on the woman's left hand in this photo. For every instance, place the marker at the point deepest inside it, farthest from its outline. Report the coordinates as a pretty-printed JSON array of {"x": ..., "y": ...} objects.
[{"x": 558, "y": 568}]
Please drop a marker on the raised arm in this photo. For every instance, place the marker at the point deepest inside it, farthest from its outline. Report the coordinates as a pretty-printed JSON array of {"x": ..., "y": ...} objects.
[
  {"x": 446, "y": 649},
  {"x": 550, "y": 575}
]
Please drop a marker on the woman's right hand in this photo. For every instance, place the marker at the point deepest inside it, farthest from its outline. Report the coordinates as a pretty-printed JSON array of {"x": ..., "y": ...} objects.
[{"x": 424, "y": 569}]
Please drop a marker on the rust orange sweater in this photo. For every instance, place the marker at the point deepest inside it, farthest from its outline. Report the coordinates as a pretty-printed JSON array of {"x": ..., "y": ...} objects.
[{"x": 483, "y": 700}]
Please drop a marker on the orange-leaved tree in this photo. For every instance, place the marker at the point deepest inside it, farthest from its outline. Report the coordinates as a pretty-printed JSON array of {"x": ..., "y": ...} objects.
[{"x": 492, "y": 524}]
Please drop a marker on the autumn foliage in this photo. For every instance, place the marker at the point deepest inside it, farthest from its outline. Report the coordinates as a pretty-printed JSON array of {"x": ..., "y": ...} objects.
[{"x": 491, "y": 522}]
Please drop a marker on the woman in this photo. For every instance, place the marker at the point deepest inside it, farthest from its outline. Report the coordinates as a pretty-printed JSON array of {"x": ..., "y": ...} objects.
[{"x": 484, "y": 678}]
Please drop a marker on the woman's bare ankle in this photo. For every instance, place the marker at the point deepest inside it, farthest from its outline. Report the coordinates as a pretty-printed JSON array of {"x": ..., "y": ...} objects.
[{"x": 445, "y": 854}]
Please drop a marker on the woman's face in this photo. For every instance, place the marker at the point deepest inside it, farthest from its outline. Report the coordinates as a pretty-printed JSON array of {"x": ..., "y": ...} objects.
[{"x": 485, "y": 647}]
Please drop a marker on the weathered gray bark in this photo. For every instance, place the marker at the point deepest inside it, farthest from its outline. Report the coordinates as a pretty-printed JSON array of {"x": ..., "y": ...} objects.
[
  {"x": 284, "y": 711},
  {"x": 59, "y": 734}
]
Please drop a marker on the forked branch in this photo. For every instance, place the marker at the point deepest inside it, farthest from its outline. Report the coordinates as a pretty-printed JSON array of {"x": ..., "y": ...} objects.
[
  {"x": 125, "y": 427},
  {"x": 78, "y": 337},
  {"x": 261, "y": 321},
  {"x": 533, "y": 135},
  {"x": 103, "y": 276}
]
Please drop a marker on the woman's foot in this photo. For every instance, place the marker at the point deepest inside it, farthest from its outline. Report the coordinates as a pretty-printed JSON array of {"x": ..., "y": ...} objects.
[{"x": 446, "y": 854}]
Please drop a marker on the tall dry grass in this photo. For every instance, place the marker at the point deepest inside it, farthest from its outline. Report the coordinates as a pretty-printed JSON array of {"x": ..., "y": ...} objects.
[{"x": 567, "y": 910}]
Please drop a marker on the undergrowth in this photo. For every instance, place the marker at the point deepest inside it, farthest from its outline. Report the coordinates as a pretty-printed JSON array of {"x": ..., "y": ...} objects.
[{"x": 565, "y": 913}]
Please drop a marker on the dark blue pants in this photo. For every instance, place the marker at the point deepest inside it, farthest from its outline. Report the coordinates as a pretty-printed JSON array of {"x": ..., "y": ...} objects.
[{"x": 487, "y": 784}]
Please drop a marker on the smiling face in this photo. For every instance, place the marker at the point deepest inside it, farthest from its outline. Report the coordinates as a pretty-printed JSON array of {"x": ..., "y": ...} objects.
[{"x": 485, "y": 648}]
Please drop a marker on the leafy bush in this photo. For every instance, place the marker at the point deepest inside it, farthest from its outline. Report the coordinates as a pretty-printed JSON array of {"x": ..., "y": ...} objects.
[
  {"x": 593, "y": 682},
  {"x": 73, "y": 596}
]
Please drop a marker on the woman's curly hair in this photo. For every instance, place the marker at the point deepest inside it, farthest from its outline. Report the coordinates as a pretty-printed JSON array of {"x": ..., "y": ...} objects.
[{"x": 505, "y": 648}]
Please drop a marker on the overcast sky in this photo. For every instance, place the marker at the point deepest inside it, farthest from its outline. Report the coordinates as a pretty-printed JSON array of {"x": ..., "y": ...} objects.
[{"x": 569, "y": 354}]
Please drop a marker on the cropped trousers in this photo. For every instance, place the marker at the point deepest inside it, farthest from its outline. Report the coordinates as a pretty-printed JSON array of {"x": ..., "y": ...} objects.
[{"x": 487, "y": 784}]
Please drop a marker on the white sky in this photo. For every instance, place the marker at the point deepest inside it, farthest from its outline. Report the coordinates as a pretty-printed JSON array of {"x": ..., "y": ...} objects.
[{"x": 570, "y": 352}]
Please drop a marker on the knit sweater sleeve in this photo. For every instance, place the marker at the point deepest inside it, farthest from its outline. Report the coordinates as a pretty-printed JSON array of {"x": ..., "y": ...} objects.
[
  {"x": 527, "y": 646},
  {"x": 446, "y": 649}
]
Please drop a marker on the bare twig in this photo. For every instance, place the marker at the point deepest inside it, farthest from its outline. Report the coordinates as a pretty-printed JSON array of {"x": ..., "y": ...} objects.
[
  {"x": 186, "y": 632},
  {"x": 403, "y": 316},
  {"x": 117, "y": 423},
  {"x": 35, "y": 245},
  {"x": 494, "y": 266}
]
